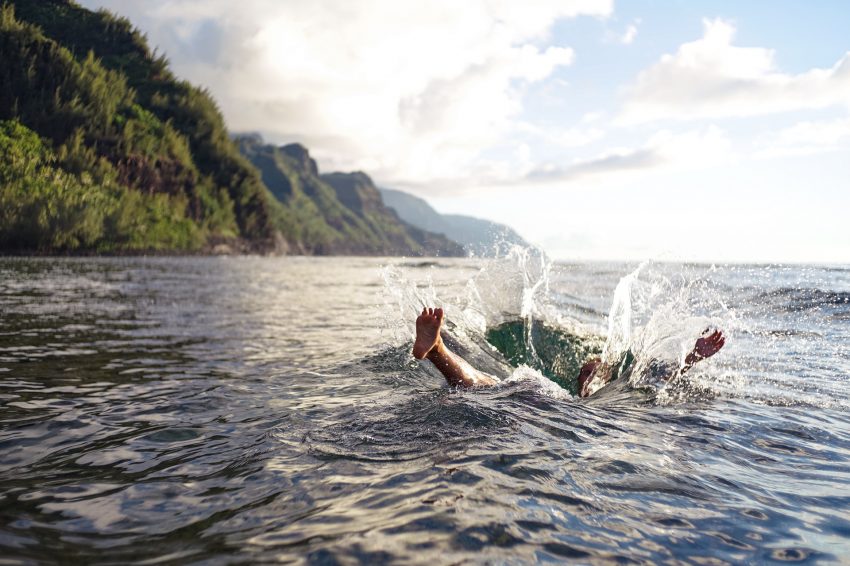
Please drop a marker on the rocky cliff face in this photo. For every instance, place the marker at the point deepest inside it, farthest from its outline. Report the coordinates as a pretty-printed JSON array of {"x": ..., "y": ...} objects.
[
  {"x": 359, "y": 193},
  {"x": 339, "y": 213}
]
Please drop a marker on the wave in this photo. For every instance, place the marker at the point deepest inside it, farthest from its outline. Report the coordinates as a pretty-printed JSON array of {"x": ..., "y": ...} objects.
[{"x": 793, "y": 299}]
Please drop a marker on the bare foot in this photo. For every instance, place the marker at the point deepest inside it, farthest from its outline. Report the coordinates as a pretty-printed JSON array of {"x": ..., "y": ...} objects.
[
  {"x": 709, "y": 344},
  {"x": 706, "y": 346},
  {"x": 427, "y": 332}
]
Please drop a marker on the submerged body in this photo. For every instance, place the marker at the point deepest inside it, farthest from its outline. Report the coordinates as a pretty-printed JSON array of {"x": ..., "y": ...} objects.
[{"x": 593, "y": 376}]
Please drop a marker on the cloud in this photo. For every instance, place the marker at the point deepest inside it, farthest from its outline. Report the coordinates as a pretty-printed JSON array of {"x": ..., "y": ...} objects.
[
  {"x": 406, "y": 90},
  {"x": 824, "y": 132},
  {"x": 711, "y": 78},
  {"x": 563, "y": 138},
  {"x": 630, "y": 160},
  {"x": 627, "y": 37},
  {"x": 630, "y": 34},
  {"x": 806, "y": 138},
  {"x": 688, "y": 150}
]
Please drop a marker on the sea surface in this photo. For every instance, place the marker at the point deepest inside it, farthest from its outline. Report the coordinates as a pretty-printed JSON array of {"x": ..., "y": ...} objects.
[{"x": 254, "y": 410}]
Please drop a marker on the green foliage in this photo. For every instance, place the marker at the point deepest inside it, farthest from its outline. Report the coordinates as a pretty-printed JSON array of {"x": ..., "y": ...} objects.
[
  {"x": 188, "y": 110},
  {"x": 45, "y": 208},
  {"x": 115, "y": 116},
  {"x": 42, "y": 207}
]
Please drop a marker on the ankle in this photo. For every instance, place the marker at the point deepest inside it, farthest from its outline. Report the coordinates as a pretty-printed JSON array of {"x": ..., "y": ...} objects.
[{"x": 436, "y": 351}]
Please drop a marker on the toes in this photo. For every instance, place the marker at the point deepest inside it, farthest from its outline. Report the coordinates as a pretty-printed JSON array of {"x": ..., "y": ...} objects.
[{"x": 433, "y": 312}]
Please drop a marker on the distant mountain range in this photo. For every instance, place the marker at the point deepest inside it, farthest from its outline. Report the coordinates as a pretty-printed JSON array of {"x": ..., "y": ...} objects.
[
  {"x": 338, "y": 213},
  {"x": 479, "y": 237},
  {"x": 104, "y": 150}
]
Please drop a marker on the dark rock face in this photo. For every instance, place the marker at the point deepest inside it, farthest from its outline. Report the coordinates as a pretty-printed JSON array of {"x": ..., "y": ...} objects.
[
  {"x": 300, "y": 154},
  {"x": 357, "y": 192}
]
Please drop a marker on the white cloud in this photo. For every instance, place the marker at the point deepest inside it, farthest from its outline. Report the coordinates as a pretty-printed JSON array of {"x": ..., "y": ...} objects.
[
  {"x": 806, "y": 138},
  {"x": 711, "y": 78},
  {"x": 683, "y": 151},
  {"x": 627, "y": 37},
  {"x": 824, "y": 132},
  {"x": 630, "y": 34},
  {"x": 612, "y": 162},
  {"x": 564, "y": 138},
  {"x": 405, "y": 90}
]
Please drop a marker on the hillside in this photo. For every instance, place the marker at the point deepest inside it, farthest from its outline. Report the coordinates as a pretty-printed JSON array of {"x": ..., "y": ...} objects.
[
  {"x": 478, "y": 236},
  {"x": 147, "y": 154},
  {"x": 337, "y": 213},
  {"x": 105, "y": 150}
]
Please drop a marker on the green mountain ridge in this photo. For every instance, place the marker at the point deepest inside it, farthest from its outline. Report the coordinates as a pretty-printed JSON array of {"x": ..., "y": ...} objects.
[
  {"x": 338, "y": 213},
  {"x": 358, "y": 192},
  {"x": 106, "y": 151}
]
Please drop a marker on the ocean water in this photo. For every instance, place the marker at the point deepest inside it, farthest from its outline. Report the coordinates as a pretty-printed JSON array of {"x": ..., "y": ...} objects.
[{"x": 243, "y": 410}]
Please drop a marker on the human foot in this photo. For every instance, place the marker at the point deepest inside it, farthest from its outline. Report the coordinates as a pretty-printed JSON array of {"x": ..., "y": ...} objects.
[
  {"x": 709, "y": 344},
  {"x": 705, "y": 347},
  {"x": 427, "y": 332}
]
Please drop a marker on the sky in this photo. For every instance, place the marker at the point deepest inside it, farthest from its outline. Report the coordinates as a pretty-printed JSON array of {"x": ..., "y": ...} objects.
[{"x": 598, "y": 129}]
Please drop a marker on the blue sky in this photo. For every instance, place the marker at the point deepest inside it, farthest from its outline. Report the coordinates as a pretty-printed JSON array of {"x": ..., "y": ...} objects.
[{"x": 712, "y": 131}]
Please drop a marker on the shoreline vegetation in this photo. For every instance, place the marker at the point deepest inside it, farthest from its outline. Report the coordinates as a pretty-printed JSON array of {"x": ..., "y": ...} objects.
[{"x": 104, "y": 151}]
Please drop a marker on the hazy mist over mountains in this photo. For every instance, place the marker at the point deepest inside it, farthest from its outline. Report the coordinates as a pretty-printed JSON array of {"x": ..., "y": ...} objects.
[{"x": 479, "y": 237}]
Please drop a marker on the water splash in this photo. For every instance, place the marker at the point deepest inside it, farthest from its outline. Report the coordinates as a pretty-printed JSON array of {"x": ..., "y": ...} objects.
[
  {"x": 778, "y": 349},
  {"x": 657, "y": 313},
  {"x": 620, "y": 318}
]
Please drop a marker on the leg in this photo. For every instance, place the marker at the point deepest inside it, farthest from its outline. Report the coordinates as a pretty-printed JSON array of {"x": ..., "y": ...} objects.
[{"x": 429, "y": 345}]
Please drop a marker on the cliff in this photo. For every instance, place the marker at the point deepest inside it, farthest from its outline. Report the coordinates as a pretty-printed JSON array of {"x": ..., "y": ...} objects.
[{"x": 338, "y": 213}]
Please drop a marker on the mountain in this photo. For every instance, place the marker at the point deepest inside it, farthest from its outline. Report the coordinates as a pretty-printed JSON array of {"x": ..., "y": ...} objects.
[
  {"x": 478, "y": 236},
  {"x": 339, "y": 213},
  {"x": 104, "y": 149}
]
